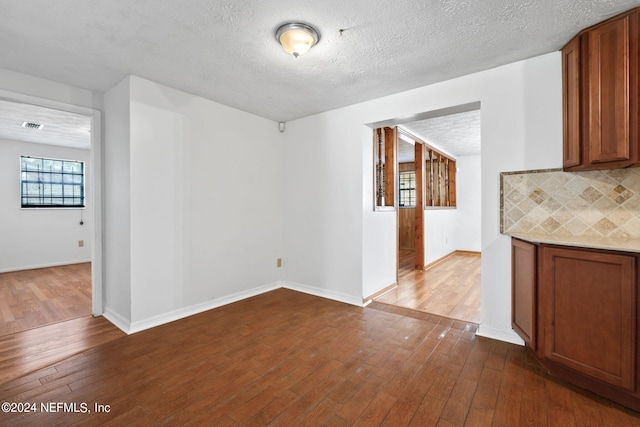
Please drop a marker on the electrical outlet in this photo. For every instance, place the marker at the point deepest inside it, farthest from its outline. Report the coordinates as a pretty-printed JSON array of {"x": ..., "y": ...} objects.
[
  {"x": 279, "y": 262},
  {"x": 80, "y": 243}
]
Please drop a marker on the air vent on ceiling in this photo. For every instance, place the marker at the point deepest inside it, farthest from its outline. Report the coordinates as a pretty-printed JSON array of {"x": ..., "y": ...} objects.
[{"x": 32, "y": 125}]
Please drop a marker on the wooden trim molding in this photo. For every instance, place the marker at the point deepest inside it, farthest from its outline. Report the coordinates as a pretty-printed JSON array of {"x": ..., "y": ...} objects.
[
  {"x": 449, "y": 255},
  {"x": 367, "y": 300},
  {"x": 459, "y": 252}
]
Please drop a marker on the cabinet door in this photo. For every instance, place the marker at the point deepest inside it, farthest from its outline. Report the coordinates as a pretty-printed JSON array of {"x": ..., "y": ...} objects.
[
  {"x": 571, "y": 103},
  {"x": 608, "y": 92},
  {"x": 589, "y": 301},
  {"x": 523, "y": 291}
]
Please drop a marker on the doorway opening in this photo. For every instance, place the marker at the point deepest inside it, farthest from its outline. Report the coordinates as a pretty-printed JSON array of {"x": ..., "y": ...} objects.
[
  {"x": 438, "y": 229},
  {"x": 50, "y": 268}
]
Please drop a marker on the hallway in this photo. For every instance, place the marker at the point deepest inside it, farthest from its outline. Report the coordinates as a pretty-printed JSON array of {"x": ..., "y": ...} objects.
[{"x": 450, "y": 288}]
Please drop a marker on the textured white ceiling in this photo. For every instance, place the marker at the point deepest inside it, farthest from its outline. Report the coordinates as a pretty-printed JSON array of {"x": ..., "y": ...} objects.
[
  {"x": 455, "y": 134},
  {"x": 59, "y": 127},
  {"x": 225, "y": 50}
]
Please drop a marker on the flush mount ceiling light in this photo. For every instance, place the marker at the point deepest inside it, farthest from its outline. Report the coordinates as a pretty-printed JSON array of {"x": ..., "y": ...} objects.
[{"x": 297, "y": 38}]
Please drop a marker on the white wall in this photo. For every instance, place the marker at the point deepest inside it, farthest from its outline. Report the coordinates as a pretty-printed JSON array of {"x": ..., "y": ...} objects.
[
  {"x": 205, "y": 204},
  {"x": 117, "y": 204},
  {"x": 468, "y": 228},
  {"x": 323, "y": 206},
  {"x": 336, "y": 242},
  {"x": 33, "y": 238},
  {"x": 440, "y": 234},
  {"x": 448, "y": 230}
]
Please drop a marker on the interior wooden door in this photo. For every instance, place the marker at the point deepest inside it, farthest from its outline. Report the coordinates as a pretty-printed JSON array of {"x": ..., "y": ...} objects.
[{"x": 411, "y": 214}]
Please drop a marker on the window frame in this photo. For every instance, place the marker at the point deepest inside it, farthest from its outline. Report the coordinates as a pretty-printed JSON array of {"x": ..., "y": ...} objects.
[
  {"x": 410, "y": 190},
  {"x": 82, "y": 185}
]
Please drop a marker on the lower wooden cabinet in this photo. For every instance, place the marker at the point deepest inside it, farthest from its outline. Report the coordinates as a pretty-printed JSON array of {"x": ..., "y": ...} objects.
[
  {"x": 584, "y": 305},
  {"x": 523, "y": 291}
]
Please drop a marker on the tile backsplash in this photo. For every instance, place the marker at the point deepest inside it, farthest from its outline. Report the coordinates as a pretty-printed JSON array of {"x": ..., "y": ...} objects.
[{"x": 602, "y": 203}]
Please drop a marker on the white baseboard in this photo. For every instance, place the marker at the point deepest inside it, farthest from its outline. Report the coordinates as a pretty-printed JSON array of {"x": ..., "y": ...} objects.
[
  {"x": 499, "y": 334},
  {"x": 33, "y": 267},
  {"x": 129, "y": 327},
  {"x": 119, "y": 321},
  {"x": 171, "y": 316},
  {"x": 324, "y": 293}
]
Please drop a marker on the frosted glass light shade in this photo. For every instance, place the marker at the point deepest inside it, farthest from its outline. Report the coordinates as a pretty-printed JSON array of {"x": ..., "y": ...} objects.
[{"x": 297, "y": 38}]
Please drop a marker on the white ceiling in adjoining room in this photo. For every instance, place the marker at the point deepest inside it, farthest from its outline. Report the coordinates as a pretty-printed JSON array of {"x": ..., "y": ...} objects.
[
  {"x": 456, "y": 134},
  {"x": 406, "y": 151},
  {"x": 225, "y": 50},
  {"x": 60, "y": 128}
]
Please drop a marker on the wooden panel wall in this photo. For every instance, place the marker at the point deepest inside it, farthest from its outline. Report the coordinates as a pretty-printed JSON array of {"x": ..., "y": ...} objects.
[
  {"x": 407, "y": 220},
  {"x": 406, "y": 216},
  {"x": 407, "y": 167}
]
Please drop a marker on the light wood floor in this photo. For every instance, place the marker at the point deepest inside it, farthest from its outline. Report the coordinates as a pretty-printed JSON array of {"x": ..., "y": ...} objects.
[
  {"x": 285, "y": 358},
  {"x": 450, "y": 288},
  {"x": 34, "y": 298}
]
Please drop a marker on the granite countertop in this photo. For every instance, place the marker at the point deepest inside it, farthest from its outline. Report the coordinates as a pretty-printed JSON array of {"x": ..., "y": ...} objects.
[{"x": 609, "y": 243}]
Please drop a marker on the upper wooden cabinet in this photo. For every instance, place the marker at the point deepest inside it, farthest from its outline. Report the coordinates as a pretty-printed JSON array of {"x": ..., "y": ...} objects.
[{"x": 600, "y": 76}]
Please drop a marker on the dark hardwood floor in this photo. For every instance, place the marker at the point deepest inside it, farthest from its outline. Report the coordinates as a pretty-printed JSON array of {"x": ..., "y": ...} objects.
[
  {"x": 450, "y": 288},
  {"x": 285, "y": 358},
  {"x": 30, "y": 350},
  {"x": 34, "y": 298}
]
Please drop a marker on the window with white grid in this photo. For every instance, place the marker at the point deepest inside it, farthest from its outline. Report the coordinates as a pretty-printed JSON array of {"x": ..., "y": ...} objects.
[{"x": 51, "y": 183}]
